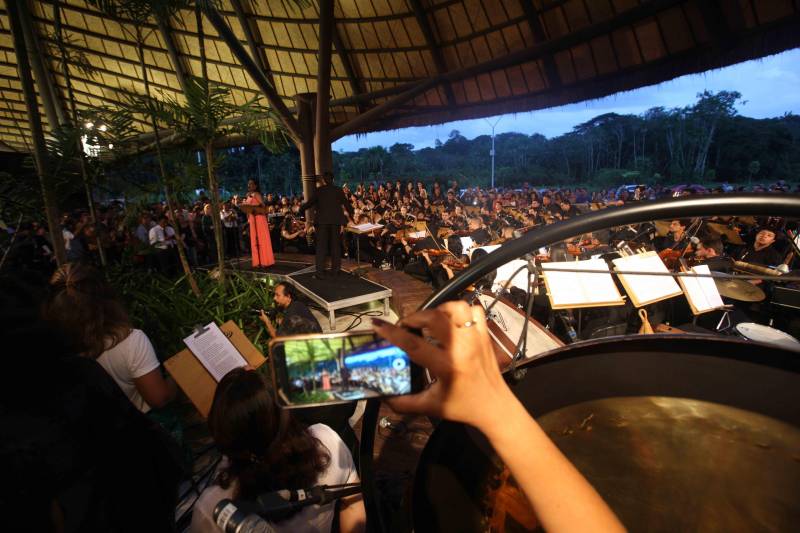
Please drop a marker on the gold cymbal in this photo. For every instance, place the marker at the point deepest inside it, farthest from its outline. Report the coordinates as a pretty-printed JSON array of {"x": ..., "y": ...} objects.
[
  {"x": 662, "y": 227},
  {"x": 739, "y": 289}
]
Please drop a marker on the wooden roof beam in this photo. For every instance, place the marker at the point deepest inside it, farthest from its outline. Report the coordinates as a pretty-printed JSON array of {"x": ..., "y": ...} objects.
[
  {"x": 719, "y": 28},
  {"x": 532, "y": 53},
  {"x": 349, "y": 67},
  {"x": 436, "y": 52},
  {"x": 165, "y": 30},
  {"x": 253, "y": 37},
  {"x": 550, "y": 69},
  {"x": 257, "y": 75}
]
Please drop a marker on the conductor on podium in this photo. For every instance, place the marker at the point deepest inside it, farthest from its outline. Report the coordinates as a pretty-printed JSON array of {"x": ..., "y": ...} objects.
[{"x": 330, "y": 203}]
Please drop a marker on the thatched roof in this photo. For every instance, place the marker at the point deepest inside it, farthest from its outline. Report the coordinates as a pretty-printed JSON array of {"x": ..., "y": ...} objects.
[{"x": 461, "y": 58}]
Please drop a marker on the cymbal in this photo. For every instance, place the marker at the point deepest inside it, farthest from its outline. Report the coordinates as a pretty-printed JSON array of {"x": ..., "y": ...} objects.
[
  {"x": 722, "y": 229},
  {"x": 662, "y": 227},
  {"x": 739, "y": 289}
]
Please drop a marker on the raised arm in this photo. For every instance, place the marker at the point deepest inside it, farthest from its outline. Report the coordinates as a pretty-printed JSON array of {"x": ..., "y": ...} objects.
[{"x": 470, "y": 389}]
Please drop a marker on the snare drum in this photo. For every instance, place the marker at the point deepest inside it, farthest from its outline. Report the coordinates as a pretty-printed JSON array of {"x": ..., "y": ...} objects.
[{"x": 760, "y": 333}]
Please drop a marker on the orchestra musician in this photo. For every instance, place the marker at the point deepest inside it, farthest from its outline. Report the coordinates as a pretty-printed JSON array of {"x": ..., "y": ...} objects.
[
  {"x": 677, "y": 239},
  {"x": 709, "y": 251},
  {"x": 762, "y": 251},
  {"x": 478, "y": 232}
]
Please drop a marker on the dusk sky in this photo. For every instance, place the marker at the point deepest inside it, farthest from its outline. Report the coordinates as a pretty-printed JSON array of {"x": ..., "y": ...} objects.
[{"x": 770, "y": 87}]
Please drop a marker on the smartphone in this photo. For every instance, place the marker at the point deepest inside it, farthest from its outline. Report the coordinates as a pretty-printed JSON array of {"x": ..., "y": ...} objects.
[{"x": 324, "y": 369}]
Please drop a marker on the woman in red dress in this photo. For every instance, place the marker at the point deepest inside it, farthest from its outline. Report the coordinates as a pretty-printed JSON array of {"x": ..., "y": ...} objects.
[{"x": 260, "y": 243}]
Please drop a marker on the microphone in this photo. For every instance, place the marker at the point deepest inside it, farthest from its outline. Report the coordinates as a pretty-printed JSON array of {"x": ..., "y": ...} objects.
[{"x": 252, "y": 516}]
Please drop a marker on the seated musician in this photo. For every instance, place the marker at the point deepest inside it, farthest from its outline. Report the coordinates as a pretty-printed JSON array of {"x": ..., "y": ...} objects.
[
  {"x": 709, "y": 251},
  {"x": 566, "y": 210},
  {"x": 677, "y": 238},
  {"x": 458, "y": 220},
  {"x": 382, "y": 207},
  {"x": 451, "y": 202},
  {"x": 294, "y": 236},
  {"x": 478, "y": 232},
  {"x": 762, "y": 251}
]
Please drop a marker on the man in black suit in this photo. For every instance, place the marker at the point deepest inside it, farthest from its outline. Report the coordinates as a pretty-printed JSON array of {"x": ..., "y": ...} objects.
[{"x": 329, "y": 201}]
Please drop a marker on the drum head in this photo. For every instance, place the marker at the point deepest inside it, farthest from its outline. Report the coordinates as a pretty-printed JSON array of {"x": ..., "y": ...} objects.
[
  {"x": 672, "y": 437},
  {"x": 762, "y": 333}
]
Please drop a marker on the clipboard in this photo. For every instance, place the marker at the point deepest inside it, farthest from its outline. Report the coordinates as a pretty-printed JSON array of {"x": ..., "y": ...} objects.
[{"x": 193, "y": 378}]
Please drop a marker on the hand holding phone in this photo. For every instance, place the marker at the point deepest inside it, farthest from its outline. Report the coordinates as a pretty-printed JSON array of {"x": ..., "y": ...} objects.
[
  {"x": 468, "y": 385},
  {"x": 310, "y": 370}
]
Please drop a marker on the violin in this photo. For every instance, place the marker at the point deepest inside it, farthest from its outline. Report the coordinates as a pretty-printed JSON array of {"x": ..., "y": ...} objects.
[
  {"x": 433, "y": 252},
  {"x": 672, "y": 256}
]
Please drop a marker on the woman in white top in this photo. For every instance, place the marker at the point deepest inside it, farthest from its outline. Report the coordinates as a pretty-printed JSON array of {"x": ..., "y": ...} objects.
[
  {"x": 82, "y": 305},
  {"x": 265, "y": 450}
]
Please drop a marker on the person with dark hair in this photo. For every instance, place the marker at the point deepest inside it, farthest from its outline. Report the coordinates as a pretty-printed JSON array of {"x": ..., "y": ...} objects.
[
  {"x": 710, "y": 251},
  {"x": 75, "y": 453},
  {"x": 677, "y": 239},
  {"x": 330, "y": 203},
  {"x": 260, "y": 242},
  {"x": 285, "y": 298},
  {"x": 762, "y": 251},
  {"x": 265, "y": 449},
  {"x": 83, "y": 307}
]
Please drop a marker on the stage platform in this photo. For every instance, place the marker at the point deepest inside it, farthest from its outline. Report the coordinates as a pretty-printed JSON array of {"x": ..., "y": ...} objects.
[
  {"x": 396, "y": 289},
  {"x": 344, "y": 290}
]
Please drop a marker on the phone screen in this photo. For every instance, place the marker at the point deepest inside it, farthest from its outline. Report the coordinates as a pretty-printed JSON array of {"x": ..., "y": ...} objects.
[{"x": 333, "y": 369}]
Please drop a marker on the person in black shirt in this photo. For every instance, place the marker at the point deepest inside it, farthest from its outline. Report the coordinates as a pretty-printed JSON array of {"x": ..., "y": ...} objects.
[
  {"x": 710, "y": 252},
  {"x": 478, "y": 232},
  {"x": 677, "y": 239},
  {"x": 330, "y": 203},
  {"x": 762, "y": 252},
  {"x": 286, "y": 299}
]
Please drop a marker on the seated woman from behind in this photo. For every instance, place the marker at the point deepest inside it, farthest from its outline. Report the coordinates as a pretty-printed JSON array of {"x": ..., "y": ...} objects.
[
  {"x": 266, "y": 449},
  {"x": 82, "y": 305}
]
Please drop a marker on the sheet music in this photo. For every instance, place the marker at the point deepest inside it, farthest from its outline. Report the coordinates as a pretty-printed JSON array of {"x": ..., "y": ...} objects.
[
  {"x": 702, "y": 292},
  {"x": 418, "y": 234},
  {"x": 214, "y": 351},
  {"x": 467, "y": 244},
  {"x": 505, "y": 272},
  {"x": 647, "y": 289},
  {"x": 581, "y": 288},
  {"x": 364, "y": 228}
]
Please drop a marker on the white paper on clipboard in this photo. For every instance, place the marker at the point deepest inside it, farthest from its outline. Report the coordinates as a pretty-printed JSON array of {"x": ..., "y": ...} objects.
[{"x": 214, "y": 351}]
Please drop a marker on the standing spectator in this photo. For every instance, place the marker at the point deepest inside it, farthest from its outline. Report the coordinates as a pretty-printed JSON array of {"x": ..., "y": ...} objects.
[{"x": 158, "y": 240}]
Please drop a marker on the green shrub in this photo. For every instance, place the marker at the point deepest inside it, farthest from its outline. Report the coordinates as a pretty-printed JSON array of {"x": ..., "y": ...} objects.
[{"x": 167, "y": 310}]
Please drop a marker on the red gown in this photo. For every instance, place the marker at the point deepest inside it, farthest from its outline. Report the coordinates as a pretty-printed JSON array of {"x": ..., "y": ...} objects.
[{"x": 260, "y": 243}]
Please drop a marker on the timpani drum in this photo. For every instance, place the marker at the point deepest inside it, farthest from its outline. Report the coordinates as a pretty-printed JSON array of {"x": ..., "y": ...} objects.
[{"x": 676, "y": 432}]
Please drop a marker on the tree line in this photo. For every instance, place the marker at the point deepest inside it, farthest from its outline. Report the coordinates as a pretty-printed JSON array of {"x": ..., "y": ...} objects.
[{"x": 705, "y": 141}]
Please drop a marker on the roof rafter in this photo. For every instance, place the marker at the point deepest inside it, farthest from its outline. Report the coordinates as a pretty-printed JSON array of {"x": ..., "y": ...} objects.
[
  {"x": 435, "y": 51},
  {"x": 349, "y": 66},
  {"x": 253, "y": 37},
  {"x": 550, "y": 69},
  {"x": 532, "y": 53}
]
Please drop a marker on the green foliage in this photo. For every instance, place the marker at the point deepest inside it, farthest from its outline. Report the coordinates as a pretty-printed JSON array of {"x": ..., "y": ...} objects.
[{"x": 167, "y": 310}]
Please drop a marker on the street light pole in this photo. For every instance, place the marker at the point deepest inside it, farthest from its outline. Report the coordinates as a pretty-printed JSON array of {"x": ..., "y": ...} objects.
[{"x": 492, "y": 150}]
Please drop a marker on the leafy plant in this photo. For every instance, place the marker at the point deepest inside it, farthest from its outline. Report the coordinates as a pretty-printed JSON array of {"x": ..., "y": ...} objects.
[{"x": 167, "y": 310}]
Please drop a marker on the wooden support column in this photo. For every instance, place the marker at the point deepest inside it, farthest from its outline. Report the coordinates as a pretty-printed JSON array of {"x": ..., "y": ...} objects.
[
  {"x": 37, "y": 133},
  {"x": 304, "y": 103},
  {"x": 323, "y": 158}
]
